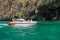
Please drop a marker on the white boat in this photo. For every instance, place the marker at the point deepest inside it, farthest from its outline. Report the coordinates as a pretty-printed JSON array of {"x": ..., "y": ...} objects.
[{"x": 21, "y": 21}]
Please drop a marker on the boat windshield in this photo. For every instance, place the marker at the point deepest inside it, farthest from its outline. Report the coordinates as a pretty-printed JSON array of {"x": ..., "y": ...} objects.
[{"x": 21, "y": 20}]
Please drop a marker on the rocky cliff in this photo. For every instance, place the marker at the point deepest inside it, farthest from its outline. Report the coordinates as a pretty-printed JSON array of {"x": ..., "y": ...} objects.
[
  {"x": 17, "y": 8},
  {"x": 35, "y": 9}
]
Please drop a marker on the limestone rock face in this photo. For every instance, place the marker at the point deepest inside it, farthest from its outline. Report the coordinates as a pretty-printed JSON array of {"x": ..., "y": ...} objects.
[{"x": 9, "y": 8}]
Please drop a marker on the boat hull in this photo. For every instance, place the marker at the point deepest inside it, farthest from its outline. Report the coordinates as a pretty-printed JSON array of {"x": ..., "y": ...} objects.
[{"x": 13, "y": 23}]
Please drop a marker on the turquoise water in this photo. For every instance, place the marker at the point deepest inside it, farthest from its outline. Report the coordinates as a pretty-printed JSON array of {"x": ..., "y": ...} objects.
[{"x": 43, "y": 30}]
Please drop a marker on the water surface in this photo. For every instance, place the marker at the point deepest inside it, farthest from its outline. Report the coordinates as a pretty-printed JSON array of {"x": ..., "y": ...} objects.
[{"x": 43, "y": 30}]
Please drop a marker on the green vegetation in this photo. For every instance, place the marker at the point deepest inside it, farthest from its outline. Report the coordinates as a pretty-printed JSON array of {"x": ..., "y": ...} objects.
[
  {"x": 20, "y": 8},
  {"x": 35, "y": 9}
]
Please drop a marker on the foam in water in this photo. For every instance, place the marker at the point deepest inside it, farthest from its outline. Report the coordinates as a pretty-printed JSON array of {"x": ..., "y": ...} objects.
[
  {"x": 1, "y": 26},
  {"x": 4, "y": 24},
  {"x": 23, "y": 25}
]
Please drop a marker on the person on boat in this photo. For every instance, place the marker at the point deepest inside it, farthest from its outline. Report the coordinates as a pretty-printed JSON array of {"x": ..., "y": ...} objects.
[
  {"x": 14, "y": 20},
  {"x": 30, "y": 20}
]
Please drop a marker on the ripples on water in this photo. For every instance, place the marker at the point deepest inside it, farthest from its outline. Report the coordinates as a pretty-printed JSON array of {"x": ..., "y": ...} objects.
[
  {"x": 17, "y": 32},
  {"x": 44, "y": 30}
]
